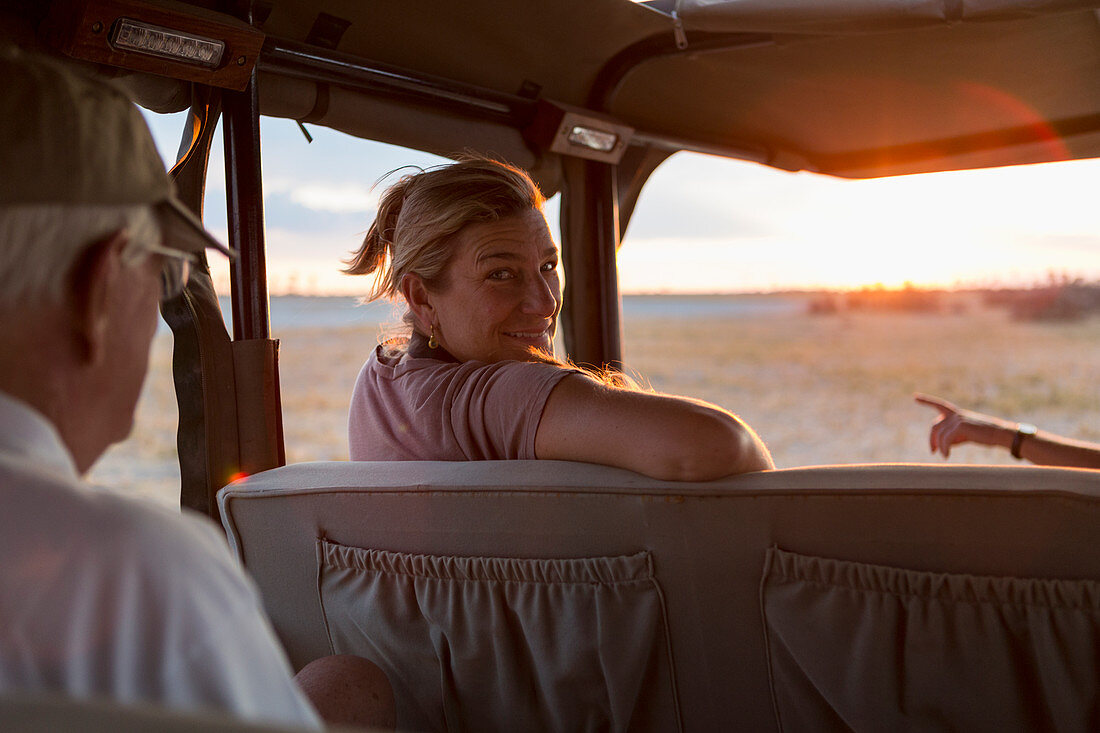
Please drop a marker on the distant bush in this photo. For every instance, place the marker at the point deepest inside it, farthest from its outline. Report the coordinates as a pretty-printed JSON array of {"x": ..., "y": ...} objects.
[
  {"x": 1064, "y": 300},
  {"x": 1061, "y": 299},
  {"x": 824, "y": 304},
  {"x": 907, "y": 299},
  {"x": 879, "y": 299}
]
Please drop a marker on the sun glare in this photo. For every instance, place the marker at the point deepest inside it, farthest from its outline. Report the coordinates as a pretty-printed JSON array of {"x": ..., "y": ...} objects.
[{"x": 1008, "y": 226}]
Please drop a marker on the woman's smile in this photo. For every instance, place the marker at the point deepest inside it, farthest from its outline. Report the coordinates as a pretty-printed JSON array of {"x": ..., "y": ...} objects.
[
  {"x": 529, "y": 335},
  {"x": 531, "y": 339}
]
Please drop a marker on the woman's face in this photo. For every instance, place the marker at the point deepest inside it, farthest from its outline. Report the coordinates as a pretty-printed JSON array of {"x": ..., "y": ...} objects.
[{"x": 501, "y": 293}]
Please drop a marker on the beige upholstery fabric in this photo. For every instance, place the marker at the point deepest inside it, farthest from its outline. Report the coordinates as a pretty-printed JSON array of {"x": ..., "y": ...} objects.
[
  {"x": 505, "y": 644},
  {"x": 853, "y": 646},
  {"x": 707, "y": 541}
]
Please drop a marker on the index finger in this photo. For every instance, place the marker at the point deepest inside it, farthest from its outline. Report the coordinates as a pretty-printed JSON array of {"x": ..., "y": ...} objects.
[{"x": 940, "y": 404}]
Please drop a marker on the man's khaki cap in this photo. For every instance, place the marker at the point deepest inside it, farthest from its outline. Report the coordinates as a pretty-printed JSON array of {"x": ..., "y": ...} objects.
[{"x": 69, "y": 138}]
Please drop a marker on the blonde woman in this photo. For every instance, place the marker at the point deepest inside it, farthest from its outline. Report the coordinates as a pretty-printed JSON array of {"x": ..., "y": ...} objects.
[{"x": 466, "y": 246}]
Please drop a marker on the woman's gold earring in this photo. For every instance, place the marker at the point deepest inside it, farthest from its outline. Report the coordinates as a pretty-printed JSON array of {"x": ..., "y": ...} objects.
[{"x": 432, "y": 343}]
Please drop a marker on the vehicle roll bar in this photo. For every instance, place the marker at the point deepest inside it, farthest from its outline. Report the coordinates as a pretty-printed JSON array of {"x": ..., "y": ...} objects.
[
  {"x": 299, "y": 60},
  {"x": 312, "y": 63}
]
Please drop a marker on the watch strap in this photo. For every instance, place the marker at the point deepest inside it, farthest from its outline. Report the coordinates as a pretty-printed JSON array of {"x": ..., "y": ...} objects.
[{"x": 1023, "y": 430}]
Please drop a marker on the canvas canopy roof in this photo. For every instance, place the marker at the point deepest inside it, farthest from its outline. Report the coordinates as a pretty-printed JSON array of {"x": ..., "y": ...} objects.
[
  {"x": 854, "y": 88},
  {"x": 861, "y": 88},
  {"x": 855, "y": 16}
]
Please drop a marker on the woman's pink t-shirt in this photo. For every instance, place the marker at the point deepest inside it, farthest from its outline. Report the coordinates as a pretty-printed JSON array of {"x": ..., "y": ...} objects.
[{"x": 407, "y": 408}]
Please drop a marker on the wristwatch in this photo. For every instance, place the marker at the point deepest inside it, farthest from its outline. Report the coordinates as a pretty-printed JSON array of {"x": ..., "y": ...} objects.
[{"x": 1023, "y": 430}]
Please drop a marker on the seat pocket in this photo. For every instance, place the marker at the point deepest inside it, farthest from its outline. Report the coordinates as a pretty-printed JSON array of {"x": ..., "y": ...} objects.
[
  {"x": 861, "y": 647},
  {"x": 492, "y": 643}
]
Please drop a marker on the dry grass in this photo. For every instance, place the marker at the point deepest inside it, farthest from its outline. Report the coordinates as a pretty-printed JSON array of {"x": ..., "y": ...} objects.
[
  {"x": 837, "y": 389},
  {"x": 818, "y": 389}
]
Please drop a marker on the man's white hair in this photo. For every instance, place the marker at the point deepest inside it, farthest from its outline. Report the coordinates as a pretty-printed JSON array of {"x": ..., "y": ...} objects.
[{"x": 40, "y": 245}]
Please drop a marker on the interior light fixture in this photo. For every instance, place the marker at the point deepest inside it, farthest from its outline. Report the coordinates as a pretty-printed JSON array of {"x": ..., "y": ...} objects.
[
  {"x": 133, "y": 35},
  {"x": 589, "y": 137},
  {"x": 568, "y": 130},
  {"x": 173, "y": 39}
]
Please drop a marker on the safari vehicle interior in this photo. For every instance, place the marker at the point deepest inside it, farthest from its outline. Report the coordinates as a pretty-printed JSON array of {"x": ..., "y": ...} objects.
[{"x": 558, "y": 596}]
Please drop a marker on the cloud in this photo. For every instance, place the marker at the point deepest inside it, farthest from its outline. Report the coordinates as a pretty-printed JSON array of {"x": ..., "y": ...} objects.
[
  {"x": 690, "y": 215},
  {"x": 702, "y": 198},
  {"x": 314, "y": 205},
  {"x": 335, "y": 197}
]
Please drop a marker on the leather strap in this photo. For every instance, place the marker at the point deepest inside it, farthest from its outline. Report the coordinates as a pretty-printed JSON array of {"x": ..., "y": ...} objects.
[{"x": 1023, "y": 430}]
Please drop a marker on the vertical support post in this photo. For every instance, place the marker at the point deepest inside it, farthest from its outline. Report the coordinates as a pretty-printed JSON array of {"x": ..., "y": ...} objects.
[
  {"x": 590, "y": 233},
  {"x": 255, "y": 354},
  {"x": 244, "y": 200}
]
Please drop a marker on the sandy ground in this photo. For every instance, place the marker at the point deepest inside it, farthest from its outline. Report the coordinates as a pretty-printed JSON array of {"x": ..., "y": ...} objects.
[{"x": 818, "y": 389}]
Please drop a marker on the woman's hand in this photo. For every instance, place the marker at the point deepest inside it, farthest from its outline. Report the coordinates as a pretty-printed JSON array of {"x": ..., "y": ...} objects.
[{"x": 956, "y": 425}]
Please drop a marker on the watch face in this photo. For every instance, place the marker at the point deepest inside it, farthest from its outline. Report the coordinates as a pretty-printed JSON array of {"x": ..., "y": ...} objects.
[{"x": 1026, "y": 428}]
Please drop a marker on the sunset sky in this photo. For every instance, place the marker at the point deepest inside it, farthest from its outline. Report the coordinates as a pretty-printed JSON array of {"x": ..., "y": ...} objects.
[{"x": 707, "y": 224}]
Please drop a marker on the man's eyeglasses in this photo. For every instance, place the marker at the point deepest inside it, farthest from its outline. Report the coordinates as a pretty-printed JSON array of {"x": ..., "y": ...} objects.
[{"x": 176, "y": 270}]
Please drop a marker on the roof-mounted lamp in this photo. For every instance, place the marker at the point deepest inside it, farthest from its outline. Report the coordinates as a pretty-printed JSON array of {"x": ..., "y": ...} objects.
[
  {"x": 156, "y": 36},
  {"x": 133, "y": 35},
  {"x": 578, "y": 132}
]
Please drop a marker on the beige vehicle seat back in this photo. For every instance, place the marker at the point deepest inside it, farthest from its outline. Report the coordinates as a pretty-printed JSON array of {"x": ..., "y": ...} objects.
[{"x": 550, "y": 595}]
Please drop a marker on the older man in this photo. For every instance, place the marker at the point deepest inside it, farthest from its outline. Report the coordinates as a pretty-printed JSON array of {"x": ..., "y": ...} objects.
[{"x": 102, "y": 596}]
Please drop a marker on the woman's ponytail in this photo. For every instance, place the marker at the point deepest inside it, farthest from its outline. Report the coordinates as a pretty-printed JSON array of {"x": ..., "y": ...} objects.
[{"x": 375, "y": 254}]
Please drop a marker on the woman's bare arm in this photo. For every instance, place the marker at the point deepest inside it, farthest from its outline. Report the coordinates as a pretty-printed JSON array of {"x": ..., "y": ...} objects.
[
  {"x": 662, "y": 436},
  {"x": 956, "y": 425}
]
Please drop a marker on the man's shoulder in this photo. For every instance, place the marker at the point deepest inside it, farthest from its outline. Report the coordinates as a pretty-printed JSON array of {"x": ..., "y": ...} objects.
[
  {"x": 181, "y": 547},
  {"x": 108, "y": 527},
  {"x": 184, "y": 624},
  {"x": 166, "y": 533}
]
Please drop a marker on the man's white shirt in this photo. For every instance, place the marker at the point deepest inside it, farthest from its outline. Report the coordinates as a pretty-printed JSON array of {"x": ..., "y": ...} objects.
[{"x": 106, "y": 596}]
